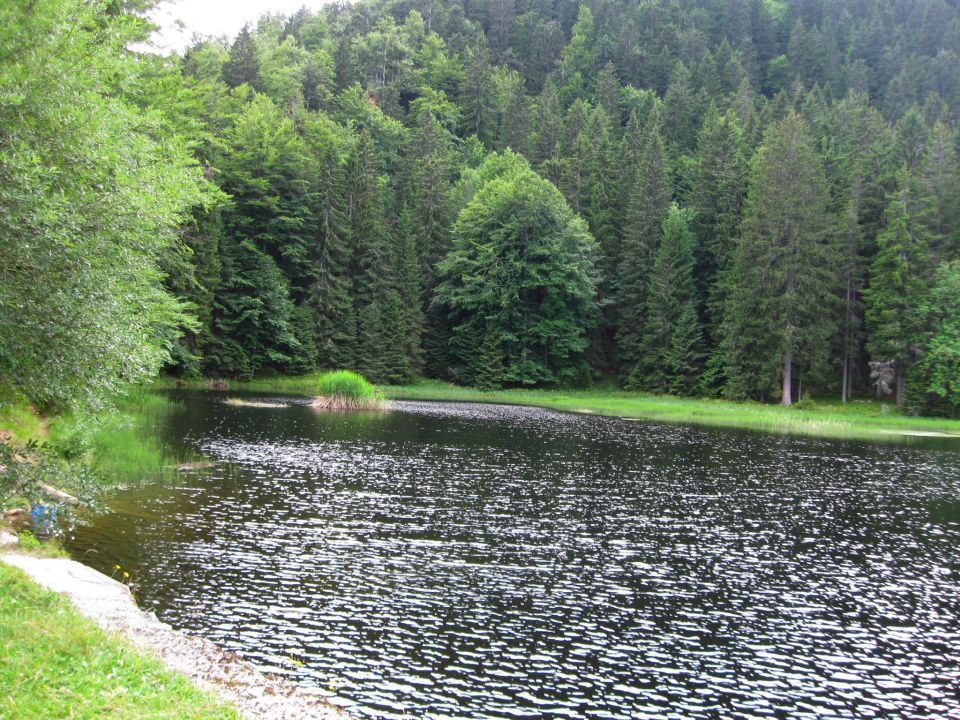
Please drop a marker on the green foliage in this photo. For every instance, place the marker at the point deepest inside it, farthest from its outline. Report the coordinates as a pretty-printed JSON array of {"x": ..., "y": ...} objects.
[
  {"x": 299, "y": 189},
  {"x": 899, "y": 278},
  {"x": 92, "y": 191},
  {"x": 783, "y": 270},
  {"x": 647, "y": 206},
  {"x": 940, "y": 361},
  {"x": 670, "y": 348},
  {"x": 523, "y": 261}
]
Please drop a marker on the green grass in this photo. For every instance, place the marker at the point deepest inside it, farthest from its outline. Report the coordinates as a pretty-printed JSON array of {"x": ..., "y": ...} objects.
[
  {"x": 860, "y": 419},
  {"x": 56, "y": 664},
  {"x": 345, "y": 390},
  {"x": 28, "y": 544},
  {"x": 118, "y": 445},
  {"x": 21, "y": 421}
]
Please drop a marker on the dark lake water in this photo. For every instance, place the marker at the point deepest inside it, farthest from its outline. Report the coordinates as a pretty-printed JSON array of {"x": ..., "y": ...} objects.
[{"x": 466, "y": 561}]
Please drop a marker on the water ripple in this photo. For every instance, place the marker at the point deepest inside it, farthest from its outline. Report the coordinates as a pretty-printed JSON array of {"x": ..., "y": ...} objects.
[{"x": 464, "y": 561}]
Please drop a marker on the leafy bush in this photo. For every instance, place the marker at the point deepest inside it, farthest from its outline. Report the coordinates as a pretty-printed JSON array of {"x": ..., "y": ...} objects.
[{"x": 346, "y": 390}]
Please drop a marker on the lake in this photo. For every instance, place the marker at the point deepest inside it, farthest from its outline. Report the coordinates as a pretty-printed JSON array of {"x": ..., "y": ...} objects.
[{"x": 471, "y": 561}]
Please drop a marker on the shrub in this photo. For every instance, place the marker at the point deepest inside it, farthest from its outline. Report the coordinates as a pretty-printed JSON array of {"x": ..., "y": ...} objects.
[{"x": 346, "y": 390}]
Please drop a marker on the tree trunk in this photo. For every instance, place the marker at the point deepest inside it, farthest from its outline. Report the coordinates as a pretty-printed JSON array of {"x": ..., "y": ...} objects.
[
  {"x": 901, "y": 387},
  {"x": 787, "y": 378},
  {"x": 846, "y": 373}
]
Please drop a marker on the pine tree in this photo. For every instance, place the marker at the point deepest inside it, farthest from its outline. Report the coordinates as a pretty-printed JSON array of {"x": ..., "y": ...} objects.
[
  {"x": 391, "y": 345},
  {"x": 408, "y": 284},
  {"x": 670, "y": 352},
  {"x": 243, "y": 66},
  {"x": 899, "y": 278},
  {"x": 607, "y": 94},
  {"x": 478, "y": 93},
  {"x": 366, "y": 222},
  {"x": 253, "y": 315},
  {"x": 784, "y": 269},
  {"x": 369, "y": 270},
  {"x": 648, "y": 205},
  {"x": 487, "y": 370},
  {"x": 941, "y": 174},
  {"x": 330, "y": 290},
  {"x": 717, "y": 191},
  {"x": 430, "y": 168},
  {"x": 682, "y": 109}
]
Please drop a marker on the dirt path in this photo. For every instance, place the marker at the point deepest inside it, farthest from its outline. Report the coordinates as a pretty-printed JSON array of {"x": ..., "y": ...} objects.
[{"x": 109, "y": 604}]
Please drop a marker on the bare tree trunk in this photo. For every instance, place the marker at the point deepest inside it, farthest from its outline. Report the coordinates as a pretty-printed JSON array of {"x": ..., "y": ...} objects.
[
  {"x": 901, "y": 387},
  {"x": 787, "y": 378},
  {"x": 846, "y": 373}
]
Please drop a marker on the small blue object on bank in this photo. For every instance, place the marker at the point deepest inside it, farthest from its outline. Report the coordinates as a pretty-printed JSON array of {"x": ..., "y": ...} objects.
[{"x": 43, "y": 517}]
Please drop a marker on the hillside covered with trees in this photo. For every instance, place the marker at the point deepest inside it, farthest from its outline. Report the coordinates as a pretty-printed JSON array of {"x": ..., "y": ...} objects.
[{"x": 740, "y": 198}]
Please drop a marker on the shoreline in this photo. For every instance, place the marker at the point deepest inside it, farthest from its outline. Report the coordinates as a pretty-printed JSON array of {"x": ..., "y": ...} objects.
[
  {"x": 255, "y": 695},
  {"x": 861, "y": 419}
]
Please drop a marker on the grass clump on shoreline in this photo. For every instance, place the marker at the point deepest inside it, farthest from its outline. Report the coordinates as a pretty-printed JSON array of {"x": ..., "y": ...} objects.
[
  {"x": 55, "y": 663},
  {"x": 346, "y": 390}
]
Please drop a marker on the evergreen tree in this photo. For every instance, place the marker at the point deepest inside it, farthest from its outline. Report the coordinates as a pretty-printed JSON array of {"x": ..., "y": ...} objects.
[
  {"x": 648, "y": 205},
  {"x": 784, "y": 269},
  {"x": 670, "y": 350},
  {"x": 408, "y": 284},
  {"x": 717, "y": 190},
  {"x": 329, "y": 296},
  {"x": 243, "y": 66},
  {"x": 941, "y": 174},
  {"x": 899, "y": 278},
  {"x": 488, "y": 369},
  {"x": 252, "y": 317},
  {"x": 430, "y": 169},
  {"x": 478, "y": 94},
  {"x": 682, "y": 109}
]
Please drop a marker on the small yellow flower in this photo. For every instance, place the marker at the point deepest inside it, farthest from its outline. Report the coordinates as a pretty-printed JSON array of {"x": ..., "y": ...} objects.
[
  {"x": 116, "y": 567},
  {"x": 126, "y": 574}
]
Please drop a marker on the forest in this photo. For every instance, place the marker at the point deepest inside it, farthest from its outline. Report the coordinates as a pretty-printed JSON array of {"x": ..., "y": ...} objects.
[{"x": 750, "y": 199}]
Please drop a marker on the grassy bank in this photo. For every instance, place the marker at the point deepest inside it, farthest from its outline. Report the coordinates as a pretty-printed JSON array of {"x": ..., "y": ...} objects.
[
  {"x": 80, "y": 454},
  {"x": 863, "y": 419},
  {"x": 56, "y": 664}
]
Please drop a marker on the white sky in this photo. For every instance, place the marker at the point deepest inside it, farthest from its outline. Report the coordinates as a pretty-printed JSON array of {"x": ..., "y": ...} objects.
[{"x": 214, "y": 17}]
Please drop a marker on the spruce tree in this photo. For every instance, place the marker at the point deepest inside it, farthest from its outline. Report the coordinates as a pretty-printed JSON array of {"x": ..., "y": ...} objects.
[
  {"x": 430, "y": 167},
  {"x": 243, "y": 66},
  {"x": 369, "y": 256},
  {"x": 899, "y": 278},
  {"x": 941, "y": 174},
  {"x": 478, "y": 93},
  {"x": 408, "y": 286},
  {"x": 783, "y": 275},
  {"x": 330, "y": 290},
  {"x": 487, "y": 368},
  {"x": 670, "y": 350},
  {"x": 648, "y": 204}
]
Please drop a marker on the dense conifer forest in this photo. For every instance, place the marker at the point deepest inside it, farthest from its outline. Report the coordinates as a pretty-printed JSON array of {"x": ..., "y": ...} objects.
[{"x": 731, "y": 198}]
